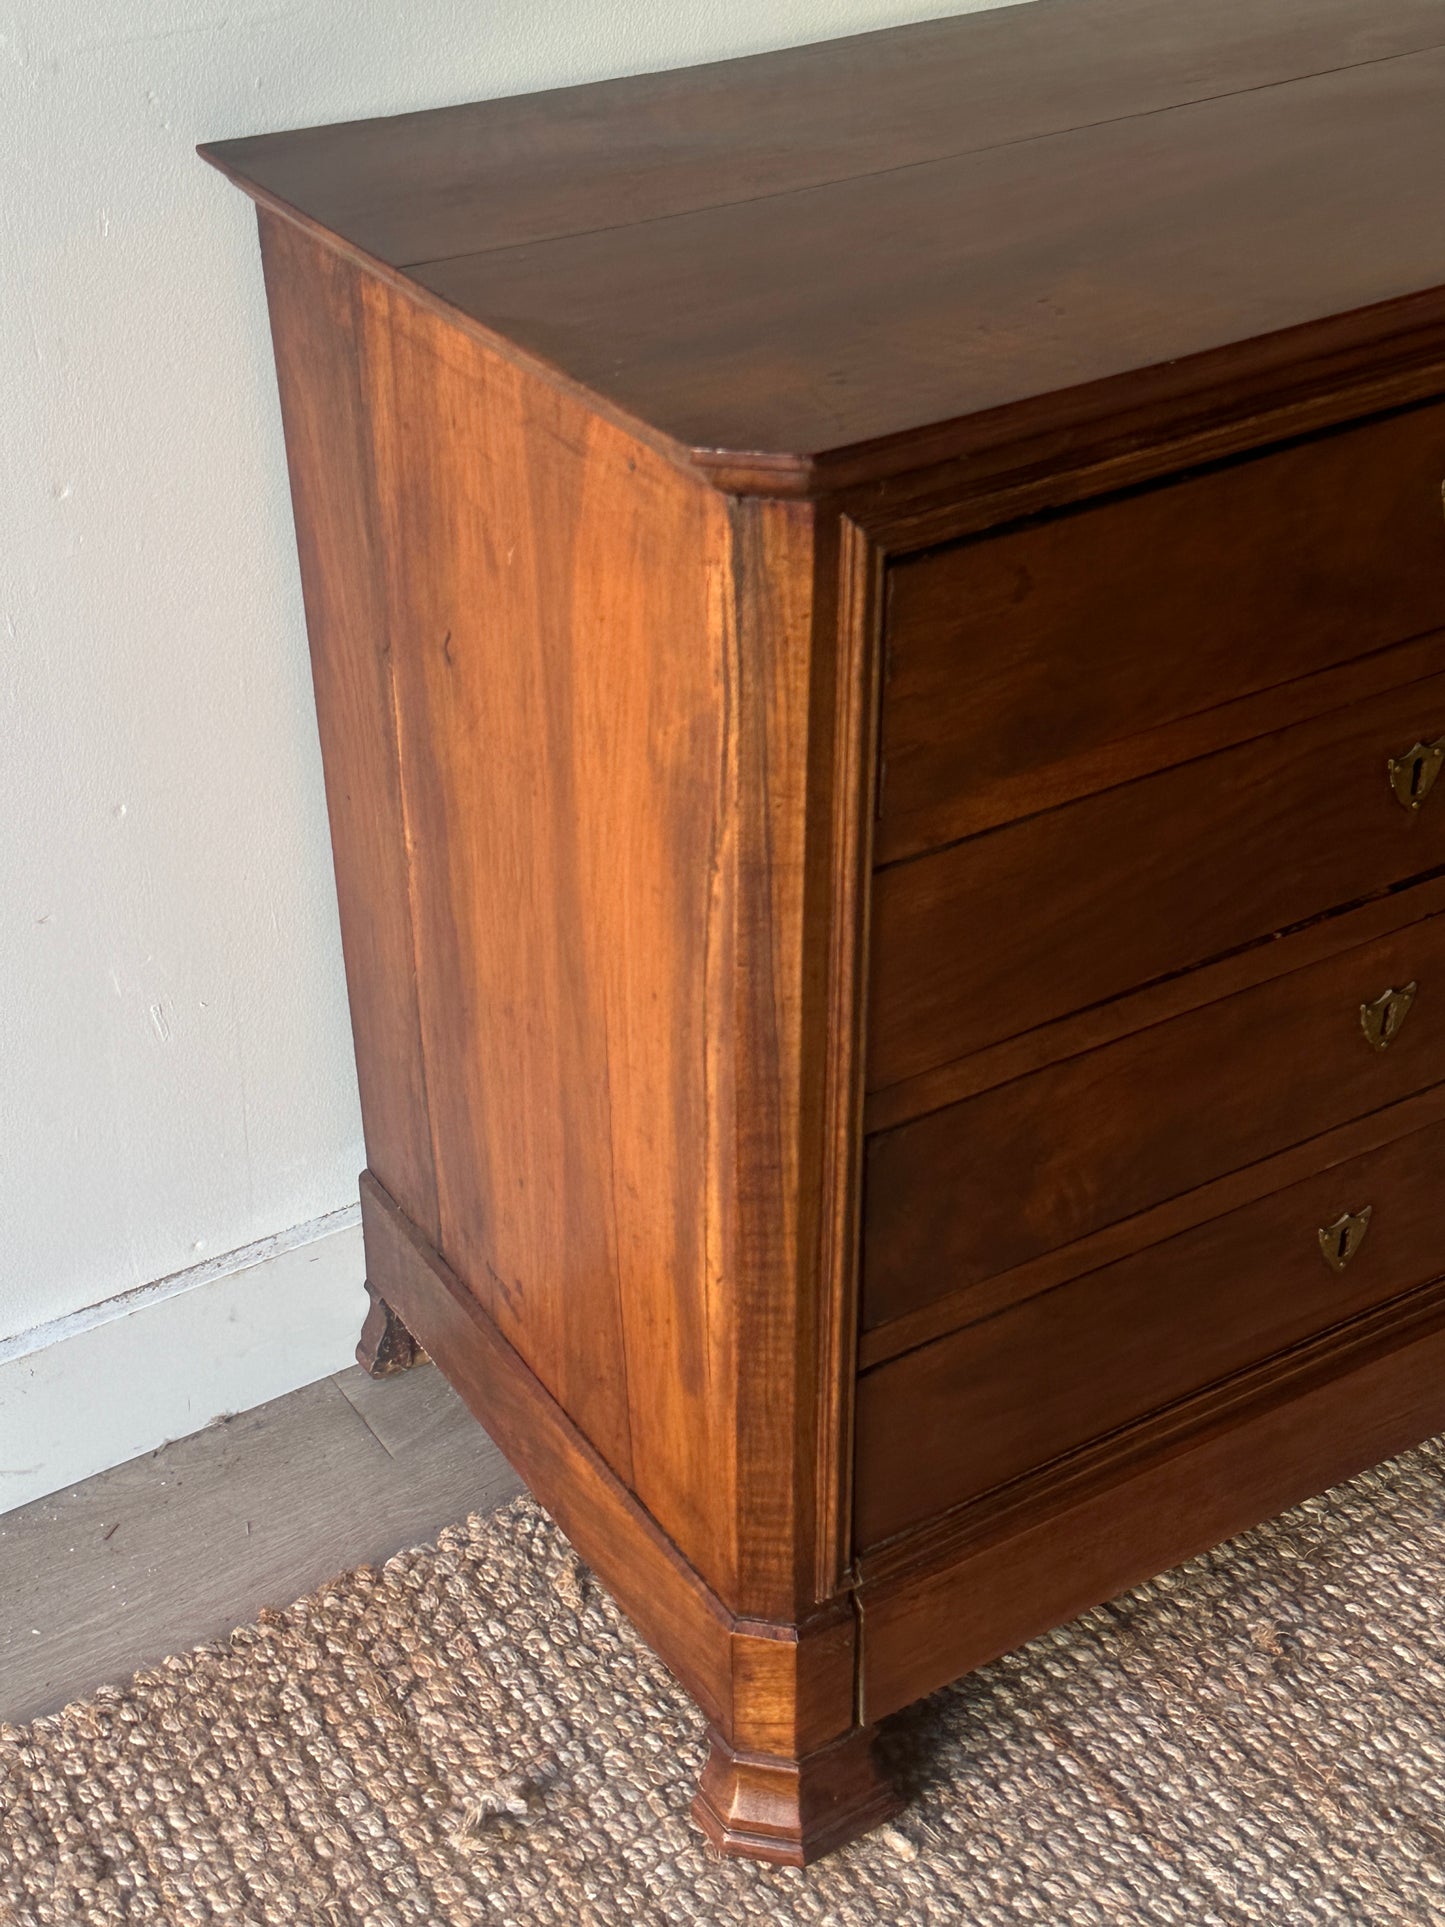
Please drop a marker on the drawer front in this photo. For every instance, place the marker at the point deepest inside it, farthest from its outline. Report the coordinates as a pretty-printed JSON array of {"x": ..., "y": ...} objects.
[
  {"x": 1013, "y": 659},
  {"x": 987, "y": 1184},
  {"x": 1007, "y": 931},
  {"x": 959, "y": 1417}
]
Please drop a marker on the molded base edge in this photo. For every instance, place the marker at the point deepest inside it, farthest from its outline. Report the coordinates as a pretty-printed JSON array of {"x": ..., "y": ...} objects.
[
  {"x": 789, "y": 1689},
  {"x": 792, "y": 1812}
]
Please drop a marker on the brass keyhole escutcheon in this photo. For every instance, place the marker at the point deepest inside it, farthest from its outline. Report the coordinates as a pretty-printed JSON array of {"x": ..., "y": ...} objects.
[
  {"x": 1382, "y": 1019},
  {"x": 1412, "y": 776},
  {"x": 1341, "y": 1240}
]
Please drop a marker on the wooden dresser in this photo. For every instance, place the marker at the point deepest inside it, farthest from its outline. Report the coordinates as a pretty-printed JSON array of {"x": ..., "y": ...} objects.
[{"x": 879, "y": 630}]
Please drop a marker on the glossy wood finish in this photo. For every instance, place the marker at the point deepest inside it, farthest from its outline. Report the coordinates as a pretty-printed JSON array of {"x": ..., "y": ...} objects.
[
  {"x": 1084, "y": 903},
  {"x": 490, "y": 174},
  {"x": 941, "y": 1603},
  {"x": 946, "y": 1423},
  {"x": 986, "y": 1185},
  {"x": 1243, "y": 216},
  {"x": 1084, "y": 241},
  {"x": 792, "y": 1778},
  {"x": 943, "y": 1315},
  {"x": 1104, "y": 1024},
  {"x": 325, "y": 407},
  {"x": 667, "y": 457},
  {"x": 583, "y": 885},
  {"x": 602, "y": 895},
  {"x": 789, "y": 1811},
  {"x": 1015, "y": 664},
  {"x": 675, "y": 1611},
  {"x": 560, "y": 1199}
]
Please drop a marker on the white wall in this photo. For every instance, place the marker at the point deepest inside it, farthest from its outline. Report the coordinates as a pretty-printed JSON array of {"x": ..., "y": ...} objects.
[{"x": 175, "y": 1070}]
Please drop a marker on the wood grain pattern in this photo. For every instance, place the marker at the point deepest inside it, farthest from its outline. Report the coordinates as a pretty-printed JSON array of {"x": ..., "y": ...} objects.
[
  {"x": 1104, "y": 1024},
  {"x": 791, "y": 1811},
  {"x": 760, "y": 992},
  {"x": 563, "y": 780},
  {"x": 792, "y": 1683},
  {"x": 1124, "y": 759},
  {"x": 1039, "y": 1164},
  {"x": 856, "y": 621},
  {"x": 811, "y": 321},
  {"x": 325, "y": 410},
  {"x": 971, "y": 284},
  {"x": 1018, "y": 663},
  {"x": 615, "y": 715},
  {"x": 670, "y": 1603},
  {"x": 783, "y": 1691},
  {"x": 488, "y": 174},
  {"x": 613, "y": 415},
  {"x": 938, "y": 1605},
  {"x": 1121, "y": 889},
  {"x": 954, "y": 480},
  {"x": 952, "y": 1310},
  {"x": 947, "y": 1422}
]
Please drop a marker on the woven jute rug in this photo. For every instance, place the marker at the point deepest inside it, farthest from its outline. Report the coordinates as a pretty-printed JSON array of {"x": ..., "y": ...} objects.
[{"x": 474, "y": 1734}]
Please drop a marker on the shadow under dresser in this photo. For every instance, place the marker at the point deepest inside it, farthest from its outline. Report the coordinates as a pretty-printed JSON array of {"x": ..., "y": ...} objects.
[{"x": 877, "y": 619}]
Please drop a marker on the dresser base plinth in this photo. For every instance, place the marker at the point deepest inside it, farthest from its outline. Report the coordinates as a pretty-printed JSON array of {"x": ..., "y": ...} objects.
[
  {"x": 792, "y": 1812},
  {"x": 385, "y": 1346}
]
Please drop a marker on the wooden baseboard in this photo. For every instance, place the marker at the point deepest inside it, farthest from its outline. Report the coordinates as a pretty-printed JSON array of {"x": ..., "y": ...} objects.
[
  {"x": 779, "y": 1689},
  {"x": 951, "y": 1598}
]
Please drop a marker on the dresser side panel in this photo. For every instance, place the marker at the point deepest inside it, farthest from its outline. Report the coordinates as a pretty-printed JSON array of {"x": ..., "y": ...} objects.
[
  {"x": 558, "y": 598},
  {"x": 326, "y": 414}
]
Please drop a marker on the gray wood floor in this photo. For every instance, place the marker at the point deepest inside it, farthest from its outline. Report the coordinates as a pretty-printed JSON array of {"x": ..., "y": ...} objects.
[{"x": 191, "y": 1541}]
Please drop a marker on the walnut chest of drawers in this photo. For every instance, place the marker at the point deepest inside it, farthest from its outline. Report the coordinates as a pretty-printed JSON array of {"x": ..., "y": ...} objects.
[{"x": 877, "y": 617}]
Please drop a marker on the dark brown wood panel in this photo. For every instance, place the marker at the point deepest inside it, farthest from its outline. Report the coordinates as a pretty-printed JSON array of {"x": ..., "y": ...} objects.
[
  {"x": 935, "y": 1607},
  {"x": 455, "y": 180},
  {"x": 1009, "y": 930},
  {"x": 1174, "y": 997},
  {"x": 1033, "y": 1165},
  {"x": 973, "y": 1411},
  {"x": 1014, "y": 662},
  {"x": 314, "y": 301},
  {"x": 943, "y": 1316},
  {"x": 811, "y": 323}
]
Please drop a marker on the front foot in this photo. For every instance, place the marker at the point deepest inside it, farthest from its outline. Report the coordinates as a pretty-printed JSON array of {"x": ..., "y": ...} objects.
[
  {"x": 385, "y": 1346},
  {"x": 792, "y": 1812}
]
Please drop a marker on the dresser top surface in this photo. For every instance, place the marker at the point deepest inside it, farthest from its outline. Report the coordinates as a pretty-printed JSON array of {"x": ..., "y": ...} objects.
[{"x": 833, "y": 249}]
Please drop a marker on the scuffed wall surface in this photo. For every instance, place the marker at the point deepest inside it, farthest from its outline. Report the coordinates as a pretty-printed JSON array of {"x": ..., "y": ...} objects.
[{"x": 175, "y": 1069}]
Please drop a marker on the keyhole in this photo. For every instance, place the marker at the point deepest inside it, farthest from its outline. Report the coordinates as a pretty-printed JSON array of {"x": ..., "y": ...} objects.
[
  {"x": 1340, "y": 1241},
  {"x": 1417, "y": 776}
]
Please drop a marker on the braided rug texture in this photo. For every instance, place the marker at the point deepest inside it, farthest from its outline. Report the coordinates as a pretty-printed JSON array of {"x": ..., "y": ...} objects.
[{"x": 473, "y": 1734}]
